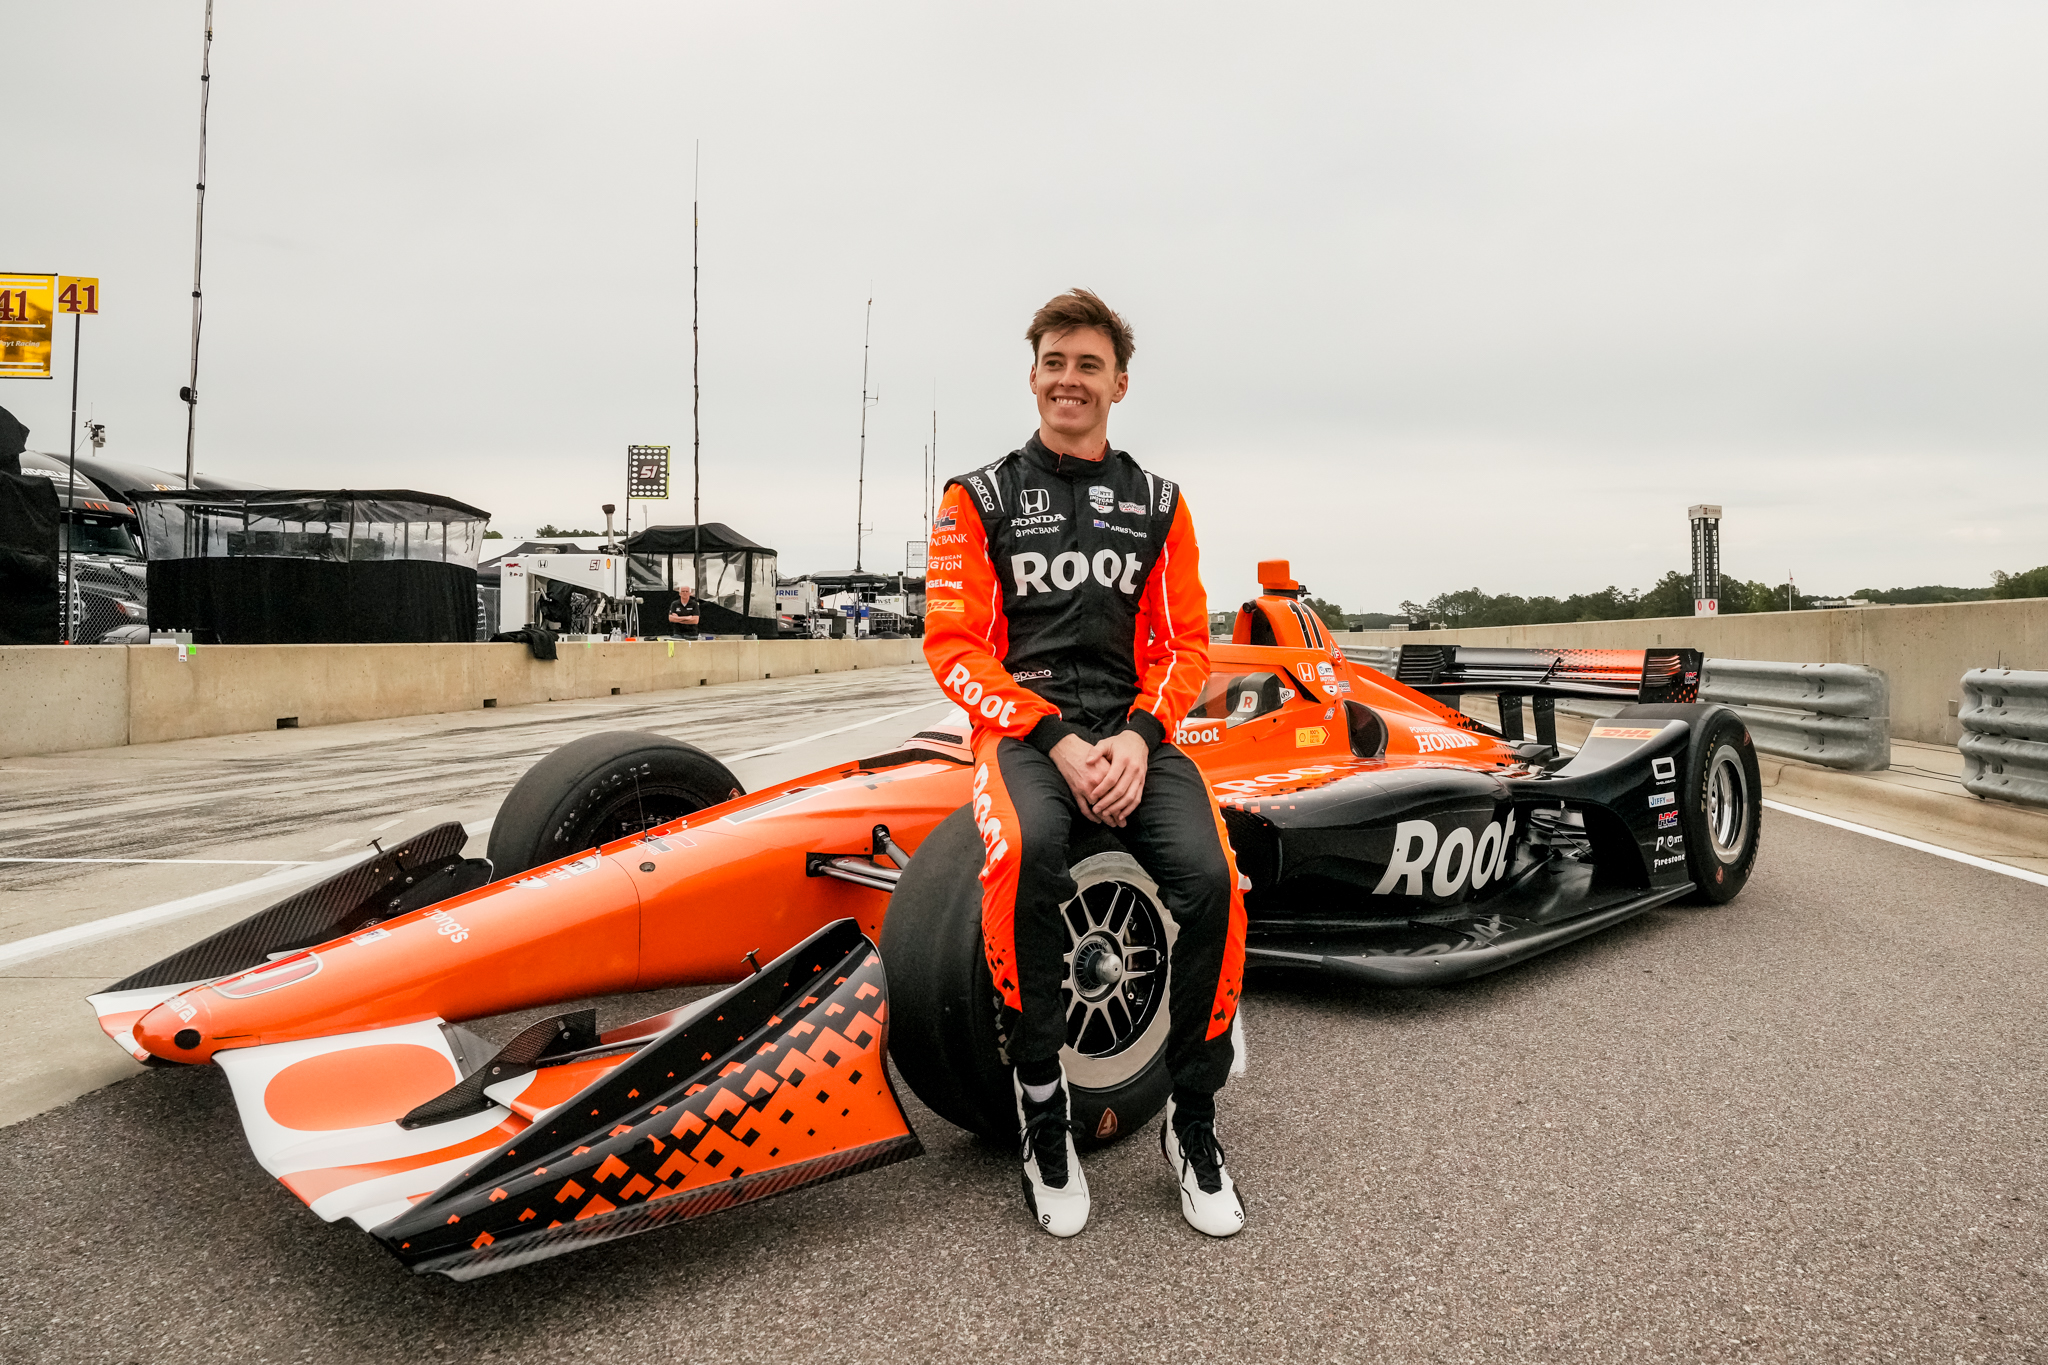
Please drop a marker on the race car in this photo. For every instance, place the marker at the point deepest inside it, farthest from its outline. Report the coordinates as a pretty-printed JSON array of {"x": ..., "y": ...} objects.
[{"x": 1386, "y": 837}]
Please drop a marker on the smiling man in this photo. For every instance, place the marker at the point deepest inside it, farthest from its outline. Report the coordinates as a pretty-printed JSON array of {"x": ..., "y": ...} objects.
[{"x": 1065, "y": 611}]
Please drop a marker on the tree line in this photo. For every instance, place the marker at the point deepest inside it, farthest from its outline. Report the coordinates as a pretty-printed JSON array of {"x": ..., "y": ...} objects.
[{"x": 1671, "y": 595}]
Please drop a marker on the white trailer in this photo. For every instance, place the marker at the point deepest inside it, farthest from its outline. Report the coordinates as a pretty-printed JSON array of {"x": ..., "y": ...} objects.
[{"x": 584, "y": 594}]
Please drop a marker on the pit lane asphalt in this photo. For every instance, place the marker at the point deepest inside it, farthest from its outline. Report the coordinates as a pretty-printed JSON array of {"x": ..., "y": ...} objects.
[{"x": 1805, "y": 1126}]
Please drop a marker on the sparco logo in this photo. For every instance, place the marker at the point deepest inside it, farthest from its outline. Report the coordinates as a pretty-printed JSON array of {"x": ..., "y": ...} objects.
[
  {"x": 1450, "y": 859},
  {"x": 1034, "y": 501},
  {"x": 988, "y": 504},
  {"x": 1070, "y": 570}
]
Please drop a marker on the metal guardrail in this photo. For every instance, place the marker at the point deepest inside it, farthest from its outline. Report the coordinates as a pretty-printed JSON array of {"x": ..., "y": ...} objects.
[
  {"x": 2005, "y": 734},
  {"x": 1835, "y": 715}
]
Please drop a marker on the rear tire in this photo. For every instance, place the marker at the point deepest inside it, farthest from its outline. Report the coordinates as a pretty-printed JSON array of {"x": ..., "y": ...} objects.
[
  {"x": 1720, "y": 797},
  {"x": 945, "y": 1032},
  {"x": 599, "y": 788}
]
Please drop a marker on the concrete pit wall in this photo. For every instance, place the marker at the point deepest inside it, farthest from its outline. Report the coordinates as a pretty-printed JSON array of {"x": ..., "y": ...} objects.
[
  {"x": 1923, "y": 650},
  {"x": 56, "y": 698}
]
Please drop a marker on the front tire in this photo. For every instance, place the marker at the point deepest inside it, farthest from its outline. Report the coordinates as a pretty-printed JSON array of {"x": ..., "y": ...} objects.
[
  {"x": 1720, "y": 797},
  {"x": 945, "y": 1032},
  {"x": 599, "y": 788}
]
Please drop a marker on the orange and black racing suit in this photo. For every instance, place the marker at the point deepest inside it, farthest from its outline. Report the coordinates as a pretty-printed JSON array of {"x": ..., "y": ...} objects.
[{"x": 1064, "y": 597}]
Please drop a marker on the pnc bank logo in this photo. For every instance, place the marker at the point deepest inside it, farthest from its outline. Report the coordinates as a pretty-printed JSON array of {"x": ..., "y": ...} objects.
[{"x": 1035, "y": 501}]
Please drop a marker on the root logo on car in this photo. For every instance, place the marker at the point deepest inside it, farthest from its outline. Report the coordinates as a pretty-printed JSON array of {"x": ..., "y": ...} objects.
[
  {"x": 1201, "y": 732},
  {"x": 1451, "y": 860}
]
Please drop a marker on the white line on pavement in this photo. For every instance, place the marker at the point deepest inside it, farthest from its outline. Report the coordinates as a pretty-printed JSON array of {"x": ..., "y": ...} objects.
[
  {"x": 58, "y": 940},
  {"x": 198, "y": 862},
  {"x": 2004, "y": 869},
  {"x": 824, "y": 734}
]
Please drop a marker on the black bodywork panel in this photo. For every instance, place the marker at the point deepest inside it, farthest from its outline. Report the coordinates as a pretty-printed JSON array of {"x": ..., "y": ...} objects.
[{"x": 1409, "y": 874}]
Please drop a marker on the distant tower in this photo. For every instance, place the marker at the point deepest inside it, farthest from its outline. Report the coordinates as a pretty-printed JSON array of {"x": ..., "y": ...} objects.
[{"x": 1706, "y": 559}]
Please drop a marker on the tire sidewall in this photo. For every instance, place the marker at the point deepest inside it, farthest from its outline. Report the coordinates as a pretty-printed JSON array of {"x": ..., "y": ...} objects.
[
  {"x": 1718, "y": 880},
  {"x": 552, "y": 811}
]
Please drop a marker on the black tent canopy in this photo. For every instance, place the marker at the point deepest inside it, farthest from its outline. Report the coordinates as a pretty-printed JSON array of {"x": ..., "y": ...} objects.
[
  {"x": 739, "y": 578},
  {"x": 311, "y": 565}
]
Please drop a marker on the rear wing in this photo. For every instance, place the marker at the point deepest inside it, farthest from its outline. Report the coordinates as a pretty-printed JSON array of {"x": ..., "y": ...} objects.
[{"x": 1544, "y": 675}]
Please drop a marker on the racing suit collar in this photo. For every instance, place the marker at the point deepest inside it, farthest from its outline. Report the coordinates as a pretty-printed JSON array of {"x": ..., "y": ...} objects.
[{"x": 1066, "y": 466}]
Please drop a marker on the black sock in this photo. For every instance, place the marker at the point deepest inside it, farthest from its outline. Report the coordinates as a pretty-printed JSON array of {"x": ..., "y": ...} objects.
[
  {"x": 1039, "y": 1073},
  {"x": 1193, "y": 1106}
]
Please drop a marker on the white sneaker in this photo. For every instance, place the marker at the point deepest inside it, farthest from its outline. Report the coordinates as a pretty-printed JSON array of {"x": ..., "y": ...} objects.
[
  {"x": 1055, "y": 1190},
  {"x": 1208, "y": 1196}
]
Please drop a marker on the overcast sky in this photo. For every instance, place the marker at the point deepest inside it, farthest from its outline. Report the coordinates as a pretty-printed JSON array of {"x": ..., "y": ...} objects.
[{"x": 1426, "y": 296}]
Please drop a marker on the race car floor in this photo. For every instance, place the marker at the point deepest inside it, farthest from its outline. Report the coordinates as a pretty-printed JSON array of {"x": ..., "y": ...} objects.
[{"x": 1807, "y": 1126}]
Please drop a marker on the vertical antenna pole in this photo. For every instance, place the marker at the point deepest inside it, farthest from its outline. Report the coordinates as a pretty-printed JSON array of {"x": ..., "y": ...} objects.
[
  {"x": 190, "y": 393},
  {"x": 696, "y": 400},
  {"x": 861, "y": 487},
  {"x": 71, "y": 486}
]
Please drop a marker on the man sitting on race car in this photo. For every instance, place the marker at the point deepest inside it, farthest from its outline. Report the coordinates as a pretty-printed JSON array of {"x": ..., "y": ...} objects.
[{"x": 1065, "y": 612}]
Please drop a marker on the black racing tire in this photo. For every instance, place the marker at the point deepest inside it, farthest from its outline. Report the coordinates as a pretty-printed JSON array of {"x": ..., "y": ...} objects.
[
  {"x": 1720, "y": 797},
  {"x": 600, "y": 788},
  {"x": 945, "y": 1031}
]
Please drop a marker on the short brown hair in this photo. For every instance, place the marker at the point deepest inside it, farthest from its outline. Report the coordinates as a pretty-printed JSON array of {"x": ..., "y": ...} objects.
[{"x": 1081, "y": 308}]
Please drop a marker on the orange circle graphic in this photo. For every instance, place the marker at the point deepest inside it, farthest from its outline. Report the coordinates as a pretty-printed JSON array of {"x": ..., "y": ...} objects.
[{"x": 358, "y": 1087}]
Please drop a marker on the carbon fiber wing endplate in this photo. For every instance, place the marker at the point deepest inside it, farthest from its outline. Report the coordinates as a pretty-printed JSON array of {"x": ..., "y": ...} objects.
[{"x": 424, "y": 870}]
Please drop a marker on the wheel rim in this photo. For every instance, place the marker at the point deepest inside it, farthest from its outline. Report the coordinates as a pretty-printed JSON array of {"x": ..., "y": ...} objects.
[
  {"x": 1728, "y": 803},
  {"x": 1119, "y": 942},
  {"x": 629, "y": 812}
]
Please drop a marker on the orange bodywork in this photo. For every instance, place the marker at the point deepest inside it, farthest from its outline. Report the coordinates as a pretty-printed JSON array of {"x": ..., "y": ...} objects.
[{"x": 686, "y": 903}]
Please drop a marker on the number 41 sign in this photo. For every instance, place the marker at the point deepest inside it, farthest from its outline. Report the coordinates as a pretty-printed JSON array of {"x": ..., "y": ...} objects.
[{"x": 78, "y": 294}]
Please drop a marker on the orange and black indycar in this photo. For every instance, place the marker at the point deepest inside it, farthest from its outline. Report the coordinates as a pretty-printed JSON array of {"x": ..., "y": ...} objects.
[{"x": 1386, "y": 837}]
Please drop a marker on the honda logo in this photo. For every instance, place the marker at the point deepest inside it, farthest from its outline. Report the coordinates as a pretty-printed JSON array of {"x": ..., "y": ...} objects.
[{"x": 1035, "y": 501}]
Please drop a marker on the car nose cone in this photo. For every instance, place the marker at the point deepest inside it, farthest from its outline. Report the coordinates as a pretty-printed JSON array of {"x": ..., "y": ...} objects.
[{"x": 177, "y": 1030}]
